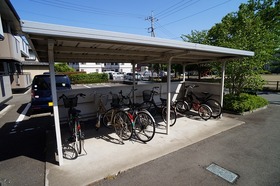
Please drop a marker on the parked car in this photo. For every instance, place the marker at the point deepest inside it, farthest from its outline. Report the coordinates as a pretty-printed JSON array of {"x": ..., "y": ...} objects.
[
  {"x": 147, "y": 75},
  {"x": 129, "y": 76},
  {"x": 115, "y": 75},
  {"x": 41, "y": 97}
]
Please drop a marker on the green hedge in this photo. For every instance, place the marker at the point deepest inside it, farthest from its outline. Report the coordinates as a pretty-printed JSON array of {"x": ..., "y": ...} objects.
[
  {"x": 88, "y": 78},
  {"x": 243, "y": 102}
]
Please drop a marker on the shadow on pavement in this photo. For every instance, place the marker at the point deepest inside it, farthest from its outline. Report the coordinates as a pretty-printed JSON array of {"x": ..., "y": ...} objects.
[{"x": 26, "y": 138}]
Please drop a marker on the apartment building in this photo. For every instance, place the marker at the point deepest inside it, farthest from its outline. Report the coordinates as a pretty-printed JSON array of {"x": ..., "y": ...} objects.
[
  {"x": 13, "y": 50},
  {"x": 101, "y": 67}
]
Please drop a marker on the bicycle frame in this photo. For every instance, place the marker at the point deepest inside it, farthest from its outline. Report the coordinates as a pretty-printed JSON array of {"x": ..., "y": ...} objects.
[
  {"x": 101, "y": 110},
  {"x": 190, "y": 95},
  {"x": 73, "y": 120}
]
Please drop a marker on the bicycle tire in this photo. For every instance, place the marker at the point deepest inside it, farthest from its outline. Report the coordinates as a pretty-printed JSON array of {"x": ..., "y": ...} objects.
[
  {"x": 173, "y": 115},
  {"x": 123, "y": 125},
  {"x": 78, "y": 137},
  {"x": 107, "y": 118},
  {"x": 144, "y": 126},
  {"x": 149, "y": 106},
  {"x": 215, "y": 106},
  {"x": 204, "y": 112},
  {"x": 69, "y": 152},
  {"x": 182, "y": 106}
]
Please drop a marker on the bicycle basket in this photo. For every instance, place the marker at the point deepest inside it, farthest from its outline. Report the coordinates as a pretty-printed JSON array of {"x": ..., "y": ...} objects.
[
  {"x": 70, "y": 102},
  {"x": 115, "y": 100},
  {"x": 147, "y": 94}
]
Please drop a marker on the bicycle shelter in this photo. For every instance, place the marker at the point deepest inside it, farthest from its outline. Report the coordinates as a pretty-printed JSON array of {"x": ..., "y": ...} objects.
[{"x": 58, "y": 43}]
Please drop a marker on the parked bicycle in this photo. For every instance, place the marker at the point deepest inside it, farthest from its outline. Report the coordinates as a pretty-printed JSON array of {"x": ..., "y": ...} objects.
[
  {"x": 142, "y": 121},
  {"x": 122, "y": 128},
  {"x": 150, "y": 105},
  {"x": 206, "y": 106},
  {"x": 77, "y": 137}
]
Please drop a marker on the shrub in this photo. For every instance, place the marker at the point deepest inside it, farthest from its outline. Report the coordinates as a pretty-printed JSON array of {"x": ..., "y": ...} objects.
[
  {"x": 63, "y": 67},
  {"x": 243, "y": 102},
  {"x": 88, "y": 78}
]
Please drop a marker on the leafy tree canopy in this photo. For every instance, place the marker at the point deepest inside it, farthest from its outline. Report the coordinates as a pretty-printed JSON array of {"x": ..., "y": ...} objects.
[
  {"x": 254, "y": 27},
  {"x": 63, "y": 67}
]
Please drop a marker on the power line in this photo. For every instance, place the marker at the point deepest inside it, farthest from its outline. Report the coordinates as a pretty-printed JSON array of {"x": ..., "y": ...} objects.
[
  {"x": 87, "y": 9},
  {"x": 168, "y": 9},
  {"x": 197, "y": 13},
  {"x": 177, "y": 9},
  {"x": 165, "y": 31},
  {"x": 78, "y": 20}
]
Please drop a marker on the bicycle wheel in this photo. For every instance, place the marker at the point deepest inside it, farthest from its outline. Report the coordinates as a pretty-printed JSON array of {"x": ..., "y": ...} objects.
[
  {"x": 182, "y": 106},
  {"x": 144, "y": 126},
  {"x": 108, "y": 118},
  {"x": 149, "y": 106},
  {"x": 122, "y": 125},
  {"x": 69, "y": 152},
  {"x": 78, "y": 137},
  {"x": 204, "y": 112},
  {"x": 173, "y": 116},
  {"x": 215, "y": 106}
]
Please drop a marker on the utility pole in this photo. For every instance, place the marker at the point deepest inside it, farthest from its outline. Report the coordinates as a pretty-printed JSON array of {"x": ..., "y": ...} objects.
[{"x": 152, "y": 29}]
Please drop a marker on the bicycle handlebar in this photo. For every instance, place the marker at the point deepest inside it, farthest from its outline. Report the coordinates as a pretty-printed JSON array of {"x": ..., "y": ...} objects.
[
  {"x": 127, "y": 96},
  {"x": 67, "y": 97}
]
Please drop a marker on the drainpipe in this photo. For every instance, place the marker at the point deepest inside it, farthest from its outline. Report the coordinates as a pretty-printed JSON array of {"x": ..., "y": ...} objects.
[{"x": 55, "y": 104}]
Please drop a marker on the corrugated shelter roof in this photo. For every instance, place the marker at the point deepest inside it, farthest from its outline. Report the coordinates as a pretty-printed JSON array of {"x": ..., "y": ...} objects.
[{"x": 73, "y": 44}]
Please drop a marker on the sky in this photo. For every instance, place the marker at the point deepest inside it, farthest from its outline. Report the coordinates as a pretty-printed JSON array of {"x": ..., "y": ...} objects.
[{"x": 171, "y": 18}]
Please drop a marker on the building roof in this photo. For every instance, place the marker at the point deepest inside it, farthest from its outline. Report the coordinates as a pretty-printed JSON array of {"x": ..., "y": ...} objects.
[
  {"x": 73, "y": 44},
  {"x": 9, "y": 15}
]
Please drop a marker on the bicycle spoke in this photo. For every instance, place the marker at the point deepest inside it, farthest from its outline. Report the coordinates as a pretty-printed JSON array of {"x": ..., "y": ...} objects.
[
  {"x": 144, "y": 127},
  {"x": 205, "y": 112},
  {"x": 122, "y": 125},
  {"x": 69, "y": 152}
]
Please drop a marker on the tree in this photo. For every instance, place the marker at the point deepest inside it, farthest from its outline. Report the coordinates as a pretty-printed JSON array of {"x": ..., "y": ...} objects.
[
  {"x": 200, "y": 37},
  {"x": 63, "y": 67},
  {"x": 196, "y": 36},
  {"x": 255, "y": 27}
]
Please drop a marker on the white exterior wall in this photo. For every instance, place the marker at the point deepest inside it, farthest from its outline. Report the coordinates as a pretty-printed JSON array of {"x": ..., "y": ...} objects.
[
  {"x": 89, "y": 104},
  {"x": 5, "y": 89},
  {"x": 101, "y": 67}
]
